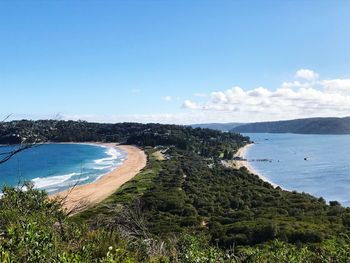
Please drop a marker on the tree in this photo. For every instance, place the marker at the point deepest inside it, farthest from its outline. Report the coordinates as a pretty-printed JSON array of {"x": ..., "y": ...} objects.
[
  {"x": 26, "y": 140},
  {"x": 28, "y": 137}
]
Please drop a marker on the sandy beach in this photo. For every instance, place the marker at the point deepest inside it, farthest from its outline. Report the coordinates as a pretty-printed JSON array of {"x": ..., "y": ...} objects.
[
  {"x": 83, "y": 196},
  {"x": 241, "y": 153}
]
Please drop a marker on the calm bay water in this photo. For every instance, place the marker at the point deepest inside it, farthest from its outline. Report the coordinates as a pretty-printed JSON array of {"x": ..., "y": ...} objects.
[
  {"x": 316, "y": 164},
  {"x": 55, "y": 167}
]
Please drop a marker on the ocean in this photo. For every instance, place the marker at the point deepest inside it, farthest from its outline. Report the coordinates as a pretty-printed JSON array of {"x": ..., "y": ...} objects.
[
  {"x": 315, "y": 164},
  {"x": 56, "y": 167}
]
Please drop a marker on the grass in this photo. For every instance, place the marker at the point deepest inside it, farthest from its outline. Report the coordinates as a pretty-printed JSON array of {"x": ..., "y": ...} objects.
[{"x": 158, "y": 155}]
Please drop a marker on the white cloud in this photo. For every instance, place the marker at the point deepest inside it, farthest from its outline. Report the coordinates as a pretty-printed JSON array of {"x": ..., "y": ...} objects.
[
  {"x": 190, "y": 105},
  {"x": 167, "y": 98},
  {"x": 309, "y": 96},
  {"x": 306, "y": 74},
  {"x": 337, "y": 85},
  {"x": 293, "y": 99},
  {"x": 175, "y": 118}
]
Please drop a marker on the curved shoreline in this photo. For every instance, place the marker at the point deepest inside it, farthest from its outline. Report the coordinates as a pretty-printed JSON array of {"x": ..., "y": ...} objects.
[
  {"x": 241, "y": 153},
  {"x": 81, "y": 197}
]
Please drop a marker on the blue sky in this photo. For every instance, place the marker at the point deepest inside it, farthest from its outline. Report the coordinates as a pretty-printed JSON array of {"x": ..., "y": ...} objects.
[{"x": 175, "y": 61}]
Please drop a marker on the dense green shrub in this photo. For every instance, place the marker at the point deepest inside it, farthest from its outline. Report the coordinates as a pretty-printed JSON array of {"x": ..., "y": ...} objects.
[{"x": 185, "y": 208}]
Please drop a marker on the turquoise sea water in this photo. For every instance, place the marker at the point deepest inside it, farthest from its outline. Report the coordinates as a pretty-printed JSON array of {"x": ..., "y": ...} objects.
[
  {"x": 316, "y": 164},
  {"x": 55, "y": 167}
]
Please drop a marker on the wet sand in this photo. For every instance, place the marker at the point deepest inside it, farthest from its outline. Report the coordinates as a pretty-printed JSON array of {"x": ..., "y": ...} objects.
[{"x": 81, "y": 197}]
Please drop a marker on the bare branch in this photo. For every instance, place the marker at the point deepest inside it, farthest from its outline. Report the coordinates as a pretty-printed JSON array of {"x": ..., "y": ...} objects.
[
  {"x": 29, "y": 136},
  {"x": 6, "y": 118},
  {"x": 8, "y": 155}
]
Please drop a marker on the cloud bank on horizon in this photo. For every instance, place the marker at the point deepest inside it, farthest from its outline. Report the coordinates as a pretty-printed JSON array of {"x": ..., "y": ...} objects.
[{"x": 306, "y": 96}]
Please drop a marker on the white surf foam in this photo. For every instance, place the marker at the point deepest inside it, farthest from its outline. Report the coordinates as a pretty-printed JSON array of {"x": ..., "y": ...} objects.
[
  {"x": 54, "y": 183},
  {"x": 52, "y": 190},
  {"x": 80, "y": 179},
  {"x": 103, "y": 167},
  {"x": 113, "y": 155},
  {"x": 44, "y": 182}
]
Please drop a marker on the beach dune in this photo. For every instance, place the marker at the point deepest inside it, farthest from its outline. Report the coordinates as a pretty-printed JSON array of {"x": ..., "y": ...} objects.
[{"x": 81, "y": 197}]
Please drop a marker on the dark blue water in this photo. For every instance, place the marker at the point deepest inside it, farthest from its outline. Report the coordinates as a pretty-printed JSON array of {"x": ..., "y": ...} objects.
[
  {"x": 55, "y": 167},
  {"x": 316, "y": 164}
]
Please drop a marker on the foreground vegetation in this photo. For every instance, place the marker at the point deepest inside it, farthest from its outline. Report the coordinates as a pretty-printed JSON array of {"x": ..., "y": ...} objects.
[
  {"x": 34, "y": 229},
  {"x": 188, "y": 194},
  {"x": 185, "y": 206}
]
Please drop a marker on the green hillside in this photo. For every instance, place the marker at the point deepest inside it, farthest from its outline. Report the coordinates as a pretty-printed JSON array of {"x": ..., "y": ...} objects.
[
  {"x": 184, "y": 207},
  {"x": 300, "y": 126}
]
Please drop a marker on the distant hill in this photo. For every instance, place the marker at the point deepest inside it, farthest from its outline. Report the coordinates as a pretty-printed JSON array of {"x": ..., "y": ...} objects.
[
  {"x": 300, "y": 126},
  {"x": 218, "y": 126}
]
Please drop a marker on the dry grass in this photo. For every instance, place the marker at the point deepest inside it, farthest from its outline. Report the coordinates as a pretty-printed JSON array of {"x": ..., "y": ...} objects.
[{"x": 158, "y": 155}]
